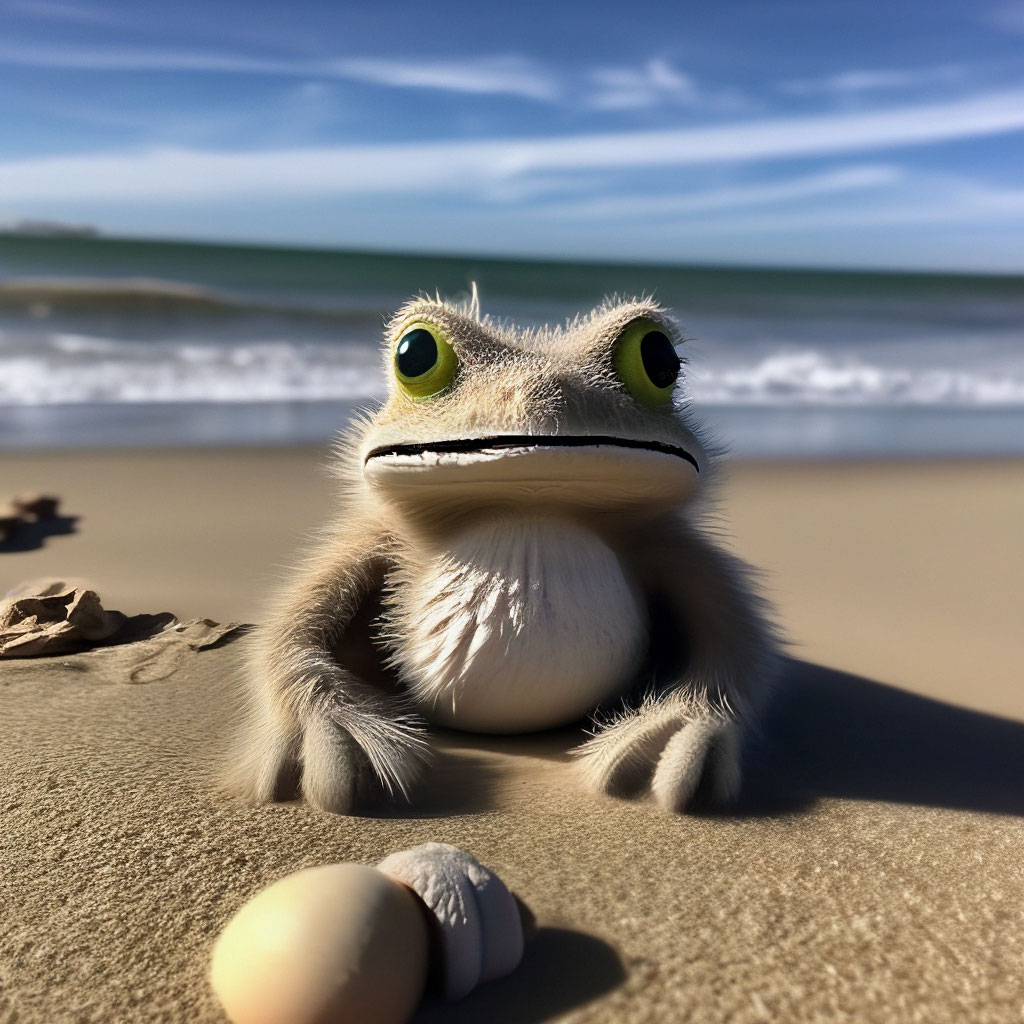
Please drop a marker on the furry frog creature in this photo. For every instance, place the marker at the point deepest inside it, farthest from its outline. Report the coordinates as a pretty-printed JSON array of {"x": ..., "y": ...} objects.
[{"x": 521, "y": 541}]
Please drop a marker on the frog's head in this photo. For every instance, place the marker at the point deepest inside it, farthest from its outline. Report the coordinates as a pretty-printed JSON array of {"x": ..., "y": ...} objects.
[{"x": 481, "y": 414}]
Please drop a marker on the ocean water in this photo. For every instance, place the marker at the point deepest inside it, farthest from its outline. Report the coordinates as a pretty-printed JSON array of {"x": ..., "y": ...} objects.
[{"x": 109, "y": 342}]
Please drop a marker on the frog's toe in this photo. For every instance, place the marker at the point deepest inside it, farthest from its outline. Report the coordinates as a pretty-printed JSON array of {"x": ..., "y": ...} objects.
[
  {"x": 619, "y": 761},
  {"x": 331, "y": 765},
  {"x": 260, "y": 765},
  {"x": 699, "y": 764}
]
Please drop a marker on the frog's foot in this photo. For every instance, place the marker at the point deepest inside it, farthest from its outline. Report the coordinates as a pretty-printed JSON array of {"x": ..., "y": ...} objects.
[
  {"x": 336, "y": 751},
  {"x": 684, "y": 755},
  {"x": 354, "y": 751}
]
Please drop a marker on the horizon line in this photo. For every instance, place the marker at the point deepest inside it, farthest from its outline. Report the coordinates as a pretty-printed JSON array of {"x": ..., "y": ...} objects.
[{"x": 90, "y": 233}]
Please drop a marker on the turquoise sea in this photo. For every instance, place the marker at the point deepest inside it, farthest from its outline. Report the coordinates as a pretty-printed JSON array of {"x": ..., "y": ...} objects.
[{"x": 114, "y": 342}]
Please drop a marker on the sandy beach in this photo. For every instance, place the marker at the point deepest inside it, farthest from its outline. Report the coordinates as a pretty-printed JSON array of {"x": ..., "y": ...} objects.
[{"x": 872, "y": 873}]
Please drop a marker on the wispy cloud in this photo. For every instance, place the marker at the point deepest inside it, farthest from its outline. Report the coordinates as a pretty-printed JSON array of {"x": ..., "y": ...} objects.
[
  {"x": 858, "y": 82},
  {"x": 458, "y": 166},
  {"x": 918, "y": 198},
  {"x": 935, "y": 204},
  {"x": 513, "y": 75},
  {"x": 656, "y": 83},
  {"x": 845, "y": 179},
  {"x": 631, "y": 88},
  {"x": 607, "y": 88},
  {"x": 509, "y": 74}
]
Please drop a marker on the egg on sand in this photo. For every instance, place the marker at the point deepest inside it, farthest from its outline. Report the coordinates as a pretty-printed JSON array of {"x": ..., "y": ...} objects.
[
  {"x": 327, "y": 945},
  {"x": 351, "y": 944}
]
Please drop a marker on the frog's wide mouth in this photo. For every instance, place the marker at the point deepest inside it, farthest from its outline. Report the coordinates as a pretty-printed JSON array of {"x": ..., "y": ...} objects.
[
  {"x": 525, "y": 442},
  {"x": 595, "y": 471}
]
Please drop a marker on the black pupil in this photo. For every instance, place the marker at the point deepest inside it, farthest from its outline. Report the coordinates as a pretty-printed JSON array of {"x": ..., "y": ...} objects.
[
  {"x": 659, "y": 359},
  {"x": 417, "y": 353}
]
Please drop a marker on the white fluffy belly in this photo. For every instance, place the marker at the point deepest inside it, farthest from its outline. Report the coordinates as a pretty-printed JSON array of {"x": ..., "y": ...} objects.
[{"x": 518, "y": 626}]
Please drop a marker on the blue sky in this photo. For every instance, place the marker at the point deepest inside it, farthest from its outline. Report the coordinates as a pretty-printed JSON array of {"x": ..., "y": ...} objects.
[{"x": 811, "y": 133}]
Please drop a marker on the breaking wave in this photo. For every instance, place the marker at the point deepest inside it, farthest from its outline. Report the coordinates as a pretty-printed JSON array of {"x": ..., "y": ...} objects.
[
  {"x": 74, "y": 368},
  {"x": 809, "y": 377},
  {"x": 60, "y": 367}
]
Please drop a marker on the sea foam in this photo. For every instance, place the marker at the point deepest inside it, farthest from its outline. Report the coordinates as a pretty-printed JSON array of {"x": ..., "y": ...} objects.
[{"x": 44, "y": 368}]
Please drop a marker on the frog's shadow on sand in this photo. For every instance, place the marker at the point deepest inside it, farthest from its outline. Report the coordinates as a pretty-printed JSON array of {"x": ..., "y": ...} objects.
[
  {"x": 825, "y": 734},
  {"x": 832, "y": 734}
]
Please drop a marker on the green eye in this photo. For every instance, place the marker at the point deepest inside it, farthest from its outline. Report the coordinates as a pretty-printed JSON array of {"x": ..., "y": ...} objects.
[
  {"x": 646, "y": 362},
  {"x": 425, "y": 363}
]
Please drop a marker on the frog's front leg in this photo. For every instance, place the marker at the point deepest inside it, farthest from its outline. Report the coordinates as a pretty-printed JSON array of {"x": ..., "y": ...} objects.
[
  {"x": 682, "y": 740},
  {"x": 308, "y": 714}
]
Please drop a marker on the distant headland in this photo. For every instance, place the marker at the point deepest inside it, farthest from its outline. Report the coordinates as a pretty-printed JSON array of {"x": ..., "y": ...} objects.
[{"x": 49, "y": 229}]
